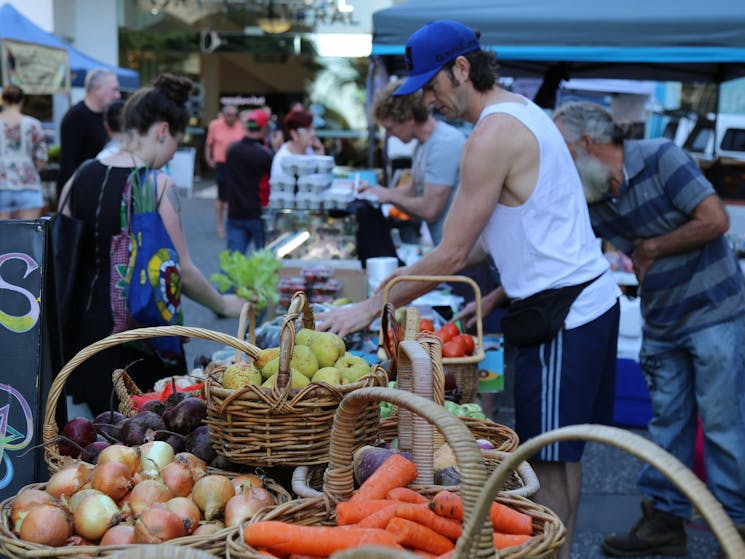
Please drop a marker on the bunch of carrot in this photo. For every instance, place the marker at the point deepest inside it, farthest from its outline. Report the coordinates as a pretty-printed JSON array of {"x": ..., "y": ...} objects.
[{"x": 385, "y": 512}]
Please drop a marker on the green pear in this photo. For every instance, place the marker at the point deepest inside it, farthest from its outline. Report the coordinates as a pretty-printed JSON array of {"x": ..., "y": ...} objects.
[
  {"x": 352, "y": 368},
  {"x": 325, "y": 348},
  {"x": 340, "y": 344},
  {"x": 349, "y": 359},
  {"x": 270, "y": 368},
  {"x": 304, "y": 360},
  {"x": 266, "y": 355},
  {"x": 304, "y": 336},
  {"x": 239, "y": 375},
  {"x": 297, "y": 380},
  {"x": 329, "y": 375}
]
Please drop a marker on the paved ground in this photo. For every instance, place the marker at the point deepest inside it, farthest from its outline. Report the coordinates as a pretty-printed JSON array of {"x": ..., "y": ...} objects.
[{"x": 610, "y": 500}]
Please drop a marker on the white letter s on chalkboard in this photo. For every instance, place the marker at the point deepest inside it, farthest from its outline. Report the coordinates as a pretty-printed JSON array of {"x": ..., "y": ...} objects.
[{"x": 25, "y": 322}]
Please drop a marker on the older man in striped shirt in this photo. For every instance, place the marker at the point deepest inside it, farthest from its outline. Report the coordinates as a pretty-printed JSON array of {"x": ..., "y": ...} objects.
[{"x": 650, "y": 200}]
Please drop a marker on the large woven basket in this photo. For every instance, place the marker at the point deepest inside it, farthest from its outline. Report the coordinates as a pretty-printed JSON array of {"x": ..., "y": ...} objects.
[
  {"x": 465, "y": 369},
  {"x": 284, "y": 426},
  {"x": 339, "y": 485},
  {"x": 51, "y": 430}
]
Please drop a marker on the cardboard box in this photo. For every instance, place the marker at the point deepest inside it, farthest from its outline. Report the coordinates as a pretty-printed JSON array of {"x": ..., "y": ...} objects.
[{"x": 349, "y": 272}]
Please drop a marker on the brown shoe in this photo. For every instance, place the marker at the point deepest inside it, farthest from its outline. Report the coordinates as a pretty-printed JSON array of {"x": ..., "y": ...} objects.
[{"x": 655, "y": 533}]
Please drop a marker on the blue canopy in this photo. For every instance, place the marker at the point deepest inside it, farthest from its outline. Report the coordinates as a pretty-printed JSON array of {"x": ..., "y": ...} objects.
[
  {"x": 662, "y": 40},
  {"x": 14, "y": 26}
]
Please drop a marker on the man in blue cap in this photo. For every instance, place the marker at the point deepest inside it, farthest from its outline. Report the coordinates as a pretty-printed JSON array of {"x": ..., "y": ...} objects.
[{"x": 521, "y": 199}]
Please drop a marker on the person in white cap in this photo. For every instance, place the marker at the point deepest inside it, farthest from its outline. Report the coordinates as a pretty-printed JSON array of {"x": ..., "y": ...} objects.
[{"x": 519, "y": 197}]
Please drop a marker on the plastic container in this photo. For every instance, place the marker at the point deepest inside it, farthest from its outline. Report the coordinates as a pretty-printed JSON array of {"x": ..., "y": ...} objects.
[{"x": 324, "y": 163}]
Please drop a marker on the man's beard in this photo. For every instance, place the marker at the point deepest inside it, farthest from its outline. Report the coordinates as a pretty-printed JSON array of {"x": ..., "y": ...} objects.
[{"x": 595, "y": 177}]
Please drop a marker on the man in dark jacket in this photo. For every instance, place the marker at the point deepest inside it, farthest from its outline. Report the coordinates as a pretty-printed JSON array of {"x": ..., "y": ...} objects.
[{"x": 248, "y": 162}]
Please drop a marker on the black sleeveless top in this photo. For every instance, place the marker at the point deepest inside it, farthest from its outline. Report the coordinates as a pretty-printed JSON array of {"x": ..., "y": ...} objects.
[{"x": 96, "y": 197}]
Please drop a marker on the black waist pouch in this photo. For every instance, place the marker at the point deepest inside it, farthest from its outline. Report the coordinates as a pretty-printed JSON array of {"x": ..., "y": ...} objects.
[{"x": 536, "y": 319}]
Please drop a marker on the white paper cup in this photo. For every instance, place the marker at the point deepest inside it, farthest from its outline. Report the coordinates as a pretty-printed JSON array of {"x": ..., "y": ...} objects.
[{"x": 379, "y": 268}]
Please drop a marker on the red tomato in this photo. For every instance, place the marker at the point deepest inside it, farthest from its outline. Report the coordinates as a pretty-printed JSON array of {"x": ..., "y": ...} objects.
[
  {"x": 426, "y": 325},
  {"x": 451, "y": 329},
  {"x": 454, "y": 348},
  {"x": 444, "y": 336},
  {"x": 468, "y": 343}
]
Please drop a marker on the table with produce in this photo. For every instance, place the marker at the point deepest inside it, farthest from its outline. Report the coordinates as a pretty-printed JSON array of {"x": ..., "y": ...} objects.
[{"x": 210, "y": 460}]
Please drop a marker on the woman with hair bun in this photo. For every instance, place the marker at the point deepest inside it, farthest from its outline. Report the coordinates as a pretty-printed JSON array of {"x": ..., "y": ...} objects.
[
  {"x": 154, "y": 120},
  {"x": 23, "y": 152}
]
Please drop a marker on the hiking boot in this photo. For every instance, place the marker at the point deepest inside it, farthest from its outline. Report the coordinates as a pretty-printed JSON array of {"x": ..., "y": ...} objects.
[
  {"x": 655, "y": 533},
  {"x": 741, "y": 529}
]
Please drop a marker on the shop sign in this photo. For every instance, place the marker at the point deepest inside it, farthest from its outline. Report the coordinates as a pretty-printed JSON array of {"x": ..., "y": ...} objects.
[
  {"x": 240, "y": 100},
  {"x": 25, "y": 375},
  {"x": 34, "y": 68}
]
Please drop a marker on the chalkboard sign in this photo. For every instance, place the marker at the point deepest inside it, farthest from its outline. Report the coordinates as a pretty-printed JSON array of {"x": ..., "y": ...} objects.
[{"x": 27, "y": 366}]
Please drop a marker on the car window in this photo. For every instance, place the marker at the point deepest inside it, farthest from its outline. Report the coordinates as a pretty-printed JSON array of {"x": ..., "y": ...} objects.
[{"x": 734, "y": 140}]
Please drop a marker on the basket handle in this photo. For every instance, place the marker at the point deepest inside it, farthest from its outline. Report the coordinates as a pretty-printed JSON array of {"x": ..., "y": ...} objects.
[
  {"x": 247, "y": 318},
  {"x": 683, "y": 478},
  {"x": 338, "y": 479},
  {"x": 451, "y": 279},
  {"x": 299, "y": 308},
  {"x": 50, "y": 430}
]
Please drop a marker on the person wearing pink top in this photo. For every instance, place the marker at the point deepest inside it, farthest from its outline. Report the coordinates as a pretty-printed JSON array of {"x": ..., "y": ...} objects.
[{"x": 222, "y": 132}]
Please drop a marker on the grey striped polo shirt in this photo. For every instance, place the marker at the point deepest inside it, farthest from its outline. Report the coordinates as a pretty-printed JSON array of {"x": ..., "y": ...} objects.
[{"x": 684, "y": 292}]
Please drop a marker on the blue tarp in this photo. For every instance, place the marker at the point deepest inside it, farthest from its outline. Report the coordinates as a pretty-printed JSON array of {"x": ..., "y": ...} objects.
[
  {"x": 675, "y": 40},
  {"x": 14, "y": 26}
]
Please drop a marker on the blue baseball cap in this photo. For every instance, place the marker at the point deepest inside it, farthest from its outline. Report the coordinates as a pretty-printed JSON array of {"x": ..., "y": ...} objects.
[{"x": 431, "y": 47}]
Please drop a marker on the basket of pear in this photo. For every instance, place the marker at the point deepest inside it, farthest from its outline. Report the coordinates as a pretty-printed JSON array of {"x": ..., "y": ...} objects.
[{"x": 277, "y": 409}]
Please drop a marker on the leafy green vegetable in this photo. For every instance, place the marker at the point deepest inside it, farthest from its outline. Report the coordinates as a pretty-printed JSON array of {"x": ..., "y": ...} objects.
[{"x": 254, "y": 278}]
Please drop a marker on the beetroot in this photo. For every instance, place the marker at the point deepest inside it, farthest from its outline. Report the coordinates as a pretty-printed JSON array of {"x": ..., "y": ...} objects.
[
  {"x": 367, "y": 459},
  {"x": 109, "y": 424},
  {"x": 136, "y": 427},
  {"x": 199, "y": 444},
  {"x": 91, "y": 452},
  {"x": 79, "y": 430},
  {"x": 155, "y": 406},
  {"x": 187, "y": 415}
]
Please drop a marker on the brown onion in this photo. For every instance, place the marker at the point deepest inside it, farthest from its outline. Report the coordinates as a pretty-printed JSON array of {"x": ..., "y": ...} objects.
[
  {"x": 245, "y": 482},
  {"x": 262, "y": 495},
  {"x": 77, "y": 498},
  {"x": 158, "y": 524},
  {"x": 47, "y": 525},
  {"x": 211, "y": 493},
  {"x": 112, "y": 479},
  {"x": 209, "y": 528},
  {"x": 197, "y": 466},
  {"x": 187, "y": 511},
  {"x": 68, "y": 481},
  {"x": 127, "y": 455},
  {"x": 24, "y": 502},
  {"x": 240, "y": 508},
  {"x": 177, "y": 477},
  {"x": 95, "y": 514},
  {"x": 146, "y": 493},
  {"x": 155, "y": 455},
  {"x": 121, "y": 534}
]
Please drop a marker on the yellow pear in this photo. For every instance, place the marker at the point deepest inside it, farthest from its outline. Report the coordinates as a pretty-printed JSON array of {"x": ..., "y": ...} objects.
[
  {"x": 239, "y": 375},
  {"x": 352, "y": 368},
  {"x": 304, "y": 360},
  {"x": 270, "y": 368},
  {"x": 304, "y": 336},
  {"x": 266, "y": 355},
  {"x": 329, "y": 375},
  {"x": 326, "y": 349},
  {"x": 297, "y": 380},
  {"x": 340, "y": 344}
]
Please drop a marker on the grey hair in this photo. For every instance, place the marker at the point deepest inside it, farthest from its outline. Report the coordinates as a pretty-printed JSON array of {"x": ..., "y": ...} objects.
[
  {"x": 95, "y": 77},
  {"x": 582, "y": 117}
]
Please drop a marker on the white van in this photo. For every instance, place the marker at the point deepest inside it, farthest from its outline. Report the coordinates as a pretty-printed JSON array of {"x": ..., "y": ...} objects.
[{"x": 729, "y": 138}]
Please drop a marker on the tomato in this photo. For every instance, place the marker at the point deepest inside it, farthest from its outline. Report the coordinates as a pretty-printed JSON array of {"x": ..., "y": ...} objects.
[
  {"x": 426, "y": 325},
  {"x": 451, "y": 329},
  {"x": 454, "y": 348},
  {"x": 444, "y": 336},
  {"x": 468, "y": 343}
]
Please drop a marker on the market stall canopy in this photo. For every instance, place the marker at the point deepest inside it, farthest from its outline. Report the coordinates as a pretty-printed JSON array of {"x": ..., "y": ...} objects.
[
  {"x": 14, "y": 26},
  {"x": 663, "y": 40}
]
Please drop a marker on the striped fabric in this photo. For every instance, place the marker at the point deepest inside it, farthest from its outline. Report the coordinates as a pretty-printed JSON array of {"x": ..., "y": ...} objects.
[{"x": 684, "y": 292}]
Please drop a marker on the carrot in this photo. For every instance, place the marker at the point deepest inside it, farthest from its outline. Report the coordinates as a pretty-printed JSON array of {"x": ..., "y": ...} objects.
[
  {"x": 504, "y": 519},
  {"x": 395, "y": 471},
  {"x": 507, "y": 520},
  {"x": 448, "y": 504},
  {"x": 351, "y": 512},
  {"x": 283, "y": 537},
  {"x": 502, "y": 541},
  {"x": 406, "y": 495},
  {"x": 424, "y": 516},
  {"x": 413, "y": 535},
  {"x": 380, "y": 518}
]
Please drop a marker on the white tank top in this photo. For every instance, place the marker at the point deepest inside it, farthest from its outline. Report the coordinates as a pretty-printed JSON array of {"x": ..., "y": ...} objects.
[{"x": 548, "y": 241}]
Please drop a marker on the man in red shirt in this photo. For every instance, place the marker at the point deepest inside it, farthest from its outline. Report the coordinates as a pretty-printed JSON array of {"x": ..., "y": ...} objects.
[{"x": 222, "y": 132}]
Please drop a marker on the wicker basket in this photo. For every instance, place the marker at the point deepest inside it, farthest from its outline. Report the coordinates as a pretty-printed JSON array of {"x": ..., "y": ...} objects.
[
  {"x": 284, "y": 426},
  {"x": 465, "y": 369},
  {"x": 338, "y": 482},
  {"x": 51, "y": 455}
]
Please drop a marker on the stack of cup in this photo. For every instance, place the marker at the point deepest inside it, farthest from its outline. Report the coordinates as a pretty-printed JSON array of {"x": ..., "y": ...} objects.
[{"x": 379, "y": 268}]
